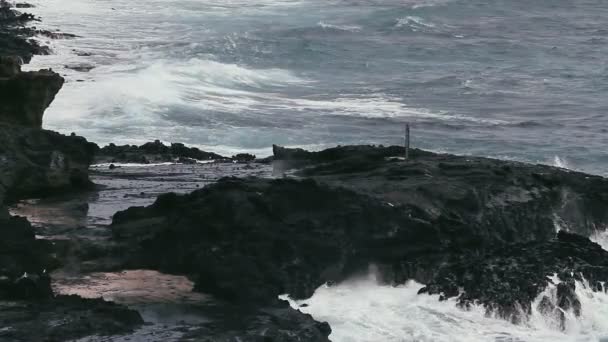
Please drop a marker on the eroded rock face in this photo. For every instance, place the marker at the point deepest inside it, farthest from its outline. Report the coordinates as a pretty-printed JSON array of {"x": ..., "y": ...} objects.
[{"x": 24, "y": 96}]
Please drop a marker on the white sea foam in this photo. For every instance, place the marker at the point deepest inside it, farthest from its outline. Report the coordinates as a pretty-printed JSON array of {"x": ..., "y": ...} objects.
[
  {"x": 560, "y": 162},
  {"x": 363, "y": 311},
  {"x": 350, "y": 28},
  {"x": 414, "y": 22},
  {"x": 600, "y": 237}
]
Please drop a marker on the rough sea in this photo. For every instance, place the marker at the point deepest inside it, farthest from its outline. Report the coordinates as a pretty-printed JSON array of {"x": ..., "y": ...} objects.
[{"x": 512, "y": 79}]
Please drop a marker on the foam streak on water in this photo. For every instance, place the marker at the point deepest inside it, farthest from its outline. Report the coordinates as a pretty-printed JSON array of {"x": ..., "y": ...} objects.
[{"x": 363, "y": 311}]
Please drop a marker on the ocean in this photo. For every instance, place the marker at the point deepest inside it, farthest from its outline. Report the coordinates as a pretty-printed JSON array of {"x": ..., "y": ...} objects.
[{"x": 510, "y": 79}]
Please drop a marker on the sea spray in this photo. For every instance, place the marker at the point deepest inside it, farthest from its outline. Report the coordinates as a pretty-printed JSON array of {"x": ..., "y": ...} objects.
[{"x": 361, "y": 310}]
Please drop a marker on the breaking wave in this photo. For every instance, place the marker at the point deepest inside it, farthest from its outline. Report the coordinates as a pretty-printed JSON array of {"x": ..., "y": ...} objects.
[
  {"x": 361, "y": 310},
  {"x": 414, "y": 22},
  {"x": 350, "y": 28}
]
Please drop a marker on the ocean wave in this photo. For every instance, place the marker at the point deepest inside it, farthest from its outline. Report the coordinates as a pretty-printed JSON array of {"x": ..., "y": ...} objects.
[
  {"x": 189, "y": 91},
  {"x": 415, "y": 23},
  {"x": 364, "y": 310},
  {"x": 349, "y": 28},
  {"x": 600, "y": 237},
  {"x": 560, "y": 162}
]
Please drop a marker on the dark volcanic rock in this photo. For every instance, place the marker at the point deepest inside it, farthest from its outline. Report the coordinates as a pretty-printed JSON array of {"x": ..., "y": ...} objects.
[
  {"x": 490, "y": 201},
  {"x": 153, "y": 152},
  {"x": 451, "y": 222},
  {"x": 10, "y": 66},
  {"x": 80, "y": 67},
  {"x": 243, "y": 157},
  {"x": 24, "y": 96},
  {"x": 24, "y": 5},
  {"x": 276, "y": 322},
  {"x": 508, "y": 279},
  {"x": 24, "y": 261},
  {"x": 35, "y": 162},
  {"x": 64, "y": 318},
  {"x": 251, "y": 240},
  {"x": 15, "y": 37},
  {"x": 9, "y": 16}
]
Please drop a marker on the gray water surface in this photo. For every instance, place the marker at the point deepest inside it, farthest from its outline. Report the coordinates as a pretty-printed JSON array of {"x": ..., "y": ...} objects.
[{"x": 512, "y": 79}]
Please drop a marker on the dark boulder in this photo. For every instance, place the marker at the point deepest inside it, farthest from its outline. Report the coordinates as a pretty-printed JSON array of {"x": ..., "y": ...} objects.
[
  {"x": 24, "y": 261},
  {"x": 35, "y": 162}
]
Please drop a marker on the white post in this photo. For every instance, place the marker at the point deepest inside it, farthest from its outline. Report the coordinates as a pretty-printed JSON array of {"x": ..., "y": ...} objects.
[{"x": 407, "y": 141}]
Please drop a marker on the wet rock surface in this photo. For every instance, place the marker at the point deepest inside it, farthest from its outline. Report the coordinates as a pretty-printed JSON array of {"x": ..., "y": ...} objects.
[
  {"x": 30, "y": 310},
  {"x": 478, "y": 229},
  {"x": 491, "y": 201},
  {"x": 507, "y": 280},
  {"x": 448, "y": 221},
  {"x": 249, "y": 240},
  {"x": 64, "y": 318},
  {"x": 276, "y": 322},
  {"x": 166, "y": 303}
]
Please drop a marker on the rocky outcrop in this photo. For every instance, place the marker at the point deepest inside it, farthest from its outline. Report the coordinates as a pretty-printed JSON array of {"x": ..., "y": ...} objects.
[
  {"x": 35, "y": 162},
  {"x": 64, "y": 318},
  {"x": 24, "y": 96},
  {"x": 29, "y": 311},
  {"x": 451, "y": 222},
  {"x": 275, "y": 322},
  {"x": 251, "y": 240},
  {"x": 24, "y": 261},
  {"x": 157, "y": 152},
  {"x": 507, "y": 280},
  {"x": 15, "y": 38},
  {"x": 492, "y": 201}
]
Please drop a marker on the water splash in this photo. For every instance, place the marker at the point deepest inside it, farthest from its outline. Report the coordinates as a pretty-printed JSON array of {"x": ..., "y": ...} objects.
[
  {"x": 560, "y": 162},
  {"x": 361, "y": 310}
]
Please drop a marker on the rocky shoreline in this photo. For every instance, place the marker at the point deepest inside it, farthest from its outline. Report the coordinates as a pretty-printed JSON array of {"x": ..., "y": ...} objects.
[{"x": 246, "y": 230}]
